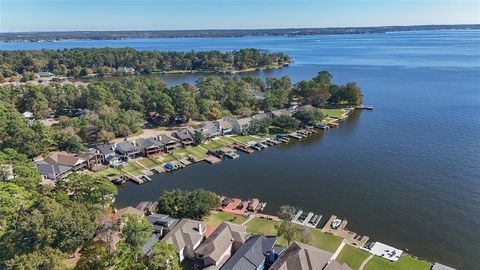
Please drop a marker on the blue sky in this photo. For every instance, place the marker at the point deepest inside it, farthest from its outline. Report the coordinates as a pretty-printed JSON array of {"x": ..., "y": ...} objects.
[{"x": 60, "y": 15}]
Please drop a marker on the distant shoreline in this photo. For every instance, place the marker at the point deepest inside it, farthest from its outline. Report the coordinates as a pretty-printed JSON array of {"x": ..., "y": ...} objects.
[{"x": 46, "y": 36}]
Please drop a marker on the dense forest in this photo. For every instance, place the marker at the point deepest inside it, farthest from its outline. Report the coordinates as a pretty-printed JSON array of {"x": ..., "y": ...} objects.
[
  {"x": 111, "y": 35},
  {"x": 103, "y": 110},
  {"x": 107, "y": 61}
]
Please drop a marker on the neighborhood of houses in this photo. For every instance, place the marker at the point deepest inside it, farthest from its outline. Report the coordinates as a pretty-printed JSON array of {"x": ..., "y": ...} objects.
[
  {"x": 229, "y": 246},
  {"x": 58, "y": 165}
]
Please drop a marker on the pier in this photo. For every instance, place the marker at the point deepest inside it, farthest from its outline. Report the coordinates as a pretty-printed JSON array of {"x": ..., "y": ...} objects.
[
  {"x": 337, "y": 227},
  {"x": 309, "y": 220}
]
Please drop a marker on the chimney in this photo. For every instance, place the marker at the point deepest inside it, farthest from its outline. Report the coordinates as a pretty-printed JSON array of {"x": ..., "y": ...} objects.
[{"x": 200, "y": 228}]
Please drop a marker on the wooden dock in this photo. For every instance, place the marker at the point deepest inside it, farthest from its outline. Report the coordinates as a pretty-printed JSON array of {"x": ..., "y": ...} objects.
[
  {"x": 212, "y": 159},
  {"x": 349, "y": 237}
]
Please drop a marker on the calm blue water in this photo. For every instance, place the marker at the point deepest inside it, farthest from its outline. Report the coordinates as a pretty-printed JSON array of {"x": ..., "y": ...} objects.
[{"x": 407, "y": 173}]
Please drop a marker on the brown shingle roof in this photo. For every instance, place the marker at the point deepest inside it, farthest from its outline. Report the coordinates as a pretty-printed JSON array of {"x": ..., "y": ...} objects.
[{"x": 62, "y": 158}]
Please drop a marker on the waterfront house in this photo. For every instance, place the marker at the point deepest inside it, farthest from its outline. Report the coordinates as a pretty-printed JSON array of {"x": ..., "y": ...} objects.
[
  {"x": 66, "y": 159},
  {"x": 162, "y": 224},
  {"x": 240, "y": 126},
  {"x": 252, "y": 254},
  {"x": 92, "y": 158},
  {"x": 113, "y": 161},
  {"x": 150, "y": 146},
  {"x": 185, "y": 135},
  {"x": 106, "y": 150},
  {"x": 128, "y": 70},
  {"x": 224, "y": 241},
  {"x": 211, "y": 129},
  {"x": 169, "y": 143},
  {"x": 226, "y": 127},
  {"x": 52, "y": 171},
  {"x": 186, "y": 236},
  {"x": 127, "y": 149},
  {"x": 301, "y": 256},
  {"x": 44, "y": 74}
]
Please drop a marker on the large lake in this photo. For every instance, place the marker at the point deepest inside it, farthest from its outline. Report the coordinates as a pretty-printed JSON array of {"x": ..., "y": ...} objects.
[{"x": 407, "y": 173}]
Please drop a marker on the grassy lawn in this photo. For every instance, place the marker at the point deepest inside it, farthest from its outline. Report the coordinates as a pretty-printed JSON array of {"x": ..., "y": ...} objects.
[
  {"x": 217, "y": 218},
  {"x": 216, "y": 144},
  {"x": 262, "y": 226},
  {"x": 133, "y": 169},
  {"x": 404, "y": 263},
  {"x": 168, "y": 158},
  {"x": 318, "y": 239},
  {"x": 324, "y": 241},
  {"x": 195, "y": 151},
  {"x": 352, "y": 256},
  {"x": 149, "y": 162},
  {"x": 109, "y": 172},
  {"x": 332, "y": 112}
]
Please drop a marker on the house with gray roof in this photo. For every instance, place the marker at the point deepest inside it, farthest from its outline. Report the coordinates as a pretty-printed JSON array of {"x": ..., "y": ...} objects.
[
  {"x": 252, "y": 254},
  {"x": 226, "y": 127},
  {"x": 52, "y": 171},
  {"x": 127, "y": 149},
  {"x": 162, "y": 223},
  {"x": 301, "y": 256},
  {"x": 224, "y": 241},
  {"x": 147, "y": 248},
  {"x": 240, "y": 126},
  {"x": 185, "y": 136},
  {"x": 211, "y": 129},
  {"x": 186, "y": 236},
  {"x": 150, "y": 146},
  {"x": 169, "y": 143}
]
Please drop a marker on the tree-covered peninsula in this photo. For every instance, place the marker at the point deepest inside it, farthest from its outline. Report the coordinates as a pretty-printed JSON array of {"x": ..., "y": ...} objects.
[{"x": 119, "y": 61}]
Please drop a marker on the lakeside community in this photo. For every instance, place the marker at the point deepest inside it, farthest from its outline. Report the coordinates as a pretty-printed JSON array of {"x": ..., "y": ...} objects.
[{"x": 236, "y": 235}]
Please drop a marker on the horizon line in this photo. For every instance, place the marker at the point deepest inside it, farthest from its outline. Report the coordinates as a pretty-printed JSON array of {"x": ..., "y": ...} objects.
[{"x": 238, "y": 29}]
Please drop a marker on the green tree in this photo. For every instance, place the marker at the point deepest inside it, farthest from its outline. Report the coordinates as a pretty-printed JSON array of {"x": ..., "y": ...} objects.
[
  {"x": 309, "y": 116},
  {"x": 89, "y": 189},
  {"x": 198, "y": 137},
  {"x": 286, "y": 122},
  {"x": 164, "y": 257},
  {"x": 94, "y": 257},
  {"x": 136, "y": 231},
  {"x": 289, "y": 231},
  {"x": 45, "y": 259},
  {"x": 177, "y": 203}
]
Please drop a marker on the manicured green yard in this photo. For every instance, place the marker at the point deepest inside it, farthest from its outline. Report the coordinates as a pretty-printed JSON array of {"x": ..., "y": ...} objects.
[
  {"x": 215, "y": 144},
  {"x": 109, "y": 172},
  {"x": 168, "y": 158},
  {"x": 217, "y": 218},
  {"x": 332, "y": 112},
  {"x": 262, "y": 226},
  {"x": 133, "y": 169},
  {"x": 195, "y": 151},
  {"x": 324, "y": 241},
  {"x": 149, "y": 162},
  {"x": 241, "y": 138},
  {"x": 352, "y": 256},
  {"x": 404, "y": 263},
  {"x": 318, "y": 239}
]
